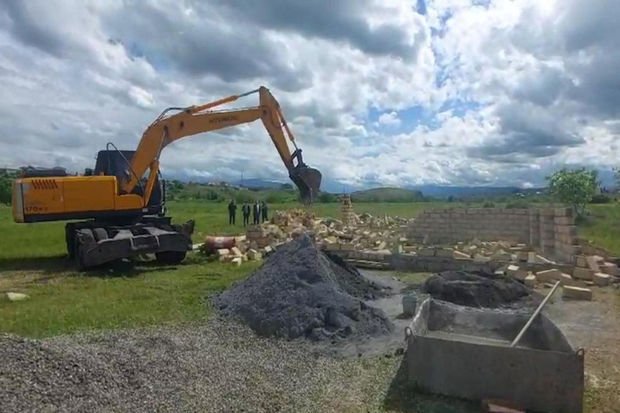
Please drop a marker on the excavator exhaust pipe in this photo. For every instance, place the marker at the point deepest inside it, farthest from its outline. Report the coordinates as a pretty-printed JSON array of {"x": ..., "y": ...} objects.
[{"x": 308, "y": 181}]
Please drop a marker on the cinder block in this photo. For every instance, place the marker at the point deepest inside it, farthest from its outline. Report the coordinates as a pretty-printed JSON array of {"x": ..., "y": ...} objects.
[
  {"x": 609, "y": 268},
  {"x": 530, "y": 280},
  {"x": 580, "y": 261},
  {"x": 582, "y": 273},
  {"x": 601, "y": 279},
  {"x": 517, "y": 273},
  {"x": 576, "y": 293},
  {"x": 551, "y": 275},
  {"x": 593, "y": 263},
  {"x": 460, "y": 255}
]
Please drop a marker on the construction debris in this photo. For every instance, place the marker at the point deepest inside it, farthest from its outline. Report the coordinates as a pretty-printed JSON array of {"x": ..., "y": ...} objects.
[
  {"x": 576, "y": 293},
  {"x": 16, "y": 296},
  {"x": 600, "y": 279}
]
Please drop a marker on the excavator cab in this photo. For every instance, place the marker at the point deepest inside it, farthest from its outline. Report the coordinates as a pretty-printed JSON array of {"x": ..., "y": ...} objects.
[{"x": 307, "y": 179}]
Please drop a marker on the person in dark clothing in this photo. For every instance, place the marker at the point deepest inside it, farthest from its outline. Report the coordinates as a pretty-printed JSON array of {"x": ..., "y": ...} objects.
[
  {"x": 246, "y": 213},
  {"x": 256, "y": 213},
  {"x": 232, "y": 212},
  {"x": 263, "y": 211}
]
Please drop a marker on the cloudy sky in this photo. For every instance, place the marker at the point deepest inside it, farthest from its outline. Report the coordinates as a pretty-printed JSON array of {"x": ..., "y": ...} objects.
[{"x": 378, "y": 92}]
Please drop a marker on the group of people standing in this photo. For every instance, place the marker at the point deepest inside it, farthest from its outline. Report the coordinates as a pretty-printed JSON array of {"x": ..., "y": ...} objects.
[{"x": 257, "y": 209}]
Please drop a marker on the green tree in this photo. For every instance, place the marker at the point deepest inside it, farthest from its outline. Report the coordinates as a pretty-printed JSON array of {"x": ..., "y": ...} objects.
[
  {"x": 5, "y": 189},
  {"x": 574, "y": 187}
]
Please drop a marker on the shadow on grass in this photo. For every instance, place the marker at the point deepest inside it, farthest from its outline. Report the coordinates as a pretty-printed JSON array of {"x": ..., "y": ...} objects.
[
  {"x": 61, "y": 263},
  {"x": 53, "y": 264},
  {"x": 405, "y": 397}
]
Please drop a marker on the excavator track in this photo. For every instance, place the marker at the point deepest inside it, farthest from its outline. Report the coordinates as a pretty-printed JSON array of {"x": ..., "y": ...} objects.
[{"x": 91, "y": 243}]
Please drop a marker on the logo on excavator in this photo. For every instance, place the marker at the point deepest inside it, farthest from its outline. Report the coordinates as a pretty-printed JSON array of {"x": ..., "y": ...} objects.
[
  {"x": 224, "y": 119},
  {"x": 35, "y": 209}
]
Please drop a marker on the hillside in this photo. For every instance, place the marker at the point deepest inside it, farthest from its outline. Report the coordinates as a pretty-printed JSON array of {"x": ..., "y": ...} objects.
[{"x": 387, "y": 195}]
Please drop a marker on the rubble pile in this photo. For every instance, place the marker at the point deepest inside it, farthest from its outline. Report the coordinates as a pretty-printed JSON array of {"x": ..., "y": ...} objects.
[{"x": 367, "y": 233}]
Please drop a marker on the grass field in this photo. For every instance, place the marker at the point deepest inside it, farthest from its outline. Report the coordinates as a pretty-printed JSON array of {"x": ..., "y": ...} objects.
[
  {"x": 32, "y": 261},
  {"x": 603, "y": 227}
]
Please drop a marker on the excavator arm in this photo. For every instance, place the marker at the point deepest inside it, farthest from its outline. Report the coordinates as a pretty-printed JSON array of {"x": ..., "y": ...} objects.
[{"x": 193, "y": 120}]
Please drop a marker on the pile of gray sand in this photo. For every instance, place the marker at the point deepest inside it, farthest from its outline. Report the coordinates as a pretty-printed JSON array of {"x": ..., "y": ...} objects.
[
  {"x": 301, "y": 292},
  {"x": 475, "y": 289}
]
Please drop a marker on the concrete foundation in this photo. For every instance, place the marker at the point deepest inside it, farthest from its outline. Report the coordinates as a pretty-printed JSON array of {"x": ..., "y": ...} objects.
[{"x": 465, "y": 352}]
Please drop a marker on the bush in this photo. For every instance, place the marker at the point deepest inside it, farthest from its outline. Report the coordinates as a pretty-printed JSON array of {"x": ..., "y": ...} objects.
[
  {"x": 601, "y": 199},
  {"x": 488, "y": 204},
  {"x": 5, "y": 190},
  {"x": 326, "y": 197}
]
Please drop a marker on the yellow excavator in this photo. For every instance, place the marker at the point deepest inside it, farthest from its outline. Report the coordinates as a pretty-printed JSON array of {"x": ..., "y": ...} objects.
[{"x": 122, "y": 201}]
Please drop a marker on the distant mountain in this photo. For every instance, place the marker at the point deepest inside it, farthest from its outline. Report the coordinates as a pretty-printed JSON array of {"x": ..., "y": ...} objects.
[
  {"x": 438, "y": 191},
  {"x": 386, "y": 195}
]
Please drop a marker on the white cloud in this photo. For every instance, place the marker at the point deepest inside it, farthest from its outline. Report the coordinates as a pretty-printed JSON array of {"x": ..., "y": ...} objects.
[
  {"x": 389, "y": 118},
  {"x": 509, "y": 90}
]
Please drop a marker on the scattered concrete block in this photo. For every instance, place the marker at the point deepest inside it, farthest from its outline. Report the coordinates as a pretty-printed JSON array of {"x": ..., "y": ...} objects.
[
  {"x": 593, "y": 263},
  {"x": 601, "y": 279},
  {"x": 542, "y": 260},
  {"x": 222, "y": 252},
  {"x": 582, "y": 273},
  {"x": 517, "y": 273},
  {"x": 566, "y": 279},
  {"x": 444, "y": 252},
  {"x": 548, "y": 276},
  {"x": 16, "y": 296},
  {"x": 381, "y": 245},
  {"x": 581, "y": 261},
  {"x": 426, "y": 252},
  {"x": 268, "y": 250},
  {"x": 347, "y": 246},
  {"x": 481, "y": 259},
  {"x": 237, "y": 261},
  {"x": 530, "y": 280},
  {"x": 522, "y": 256},
  {"x": 460, "y": 255},
  {"x": 576, "y": 293},
  {"x": 531, "y": 257},
  {"x": 236, "y": 252},
  {"x": 609, "y": 268}
]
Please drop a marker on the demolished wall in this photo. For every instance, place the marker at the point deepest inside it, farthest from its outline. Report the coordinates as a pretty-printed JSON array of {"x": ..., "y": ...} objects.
[{"x": 551, "y": 230}]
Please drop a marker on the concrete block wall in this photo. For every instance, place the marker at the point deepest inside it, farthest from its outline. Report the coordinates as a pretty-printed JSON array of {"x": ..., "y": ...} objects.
[{"x": 552, "y": 231}]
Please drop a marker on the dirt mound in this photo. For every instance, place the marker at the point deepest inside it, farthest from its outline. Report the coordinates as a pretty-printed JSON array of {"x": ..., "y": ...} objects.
[
  {"x": 301, "y": 292},
  {"x": 475, "y": 289}
]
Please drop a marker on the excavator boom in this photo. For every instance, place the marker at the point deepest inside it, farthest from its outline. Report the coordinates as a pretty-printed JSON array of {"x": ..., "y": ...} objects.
[{"x": 198, "y": 119}]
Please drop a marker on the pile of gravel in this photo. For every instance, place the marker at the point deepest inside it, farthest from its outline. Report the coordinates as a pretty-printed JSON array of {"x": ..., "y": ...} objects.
[
  {"x": 475, "y": 289},
  {"x": 302, "y": 292},
  {"x": 215, "y": 367}
]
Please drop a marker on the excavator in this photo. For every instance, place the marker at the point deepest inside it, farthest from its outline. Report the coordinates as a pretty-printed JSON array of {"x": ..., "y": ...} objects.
[{"x": 121, "y": 203}]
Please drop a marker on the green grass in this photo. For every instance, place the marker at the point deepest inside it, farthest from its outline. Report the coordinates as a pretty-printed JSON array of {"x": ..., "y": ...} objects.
[
  {"x": 139, "y": 296},
  {"x": 603, "y": 227}
]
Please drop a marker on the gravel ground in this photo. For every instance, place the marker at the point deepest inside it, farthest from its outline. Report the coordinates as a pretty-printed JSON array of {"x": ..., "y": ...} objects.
[{"x": 217, "y": 366}]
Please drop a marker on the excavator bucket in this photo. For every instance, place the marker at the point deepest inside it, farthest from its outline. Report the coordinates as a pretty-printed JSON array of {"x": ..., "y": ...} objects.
[{"x": 308, "y": 180}]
